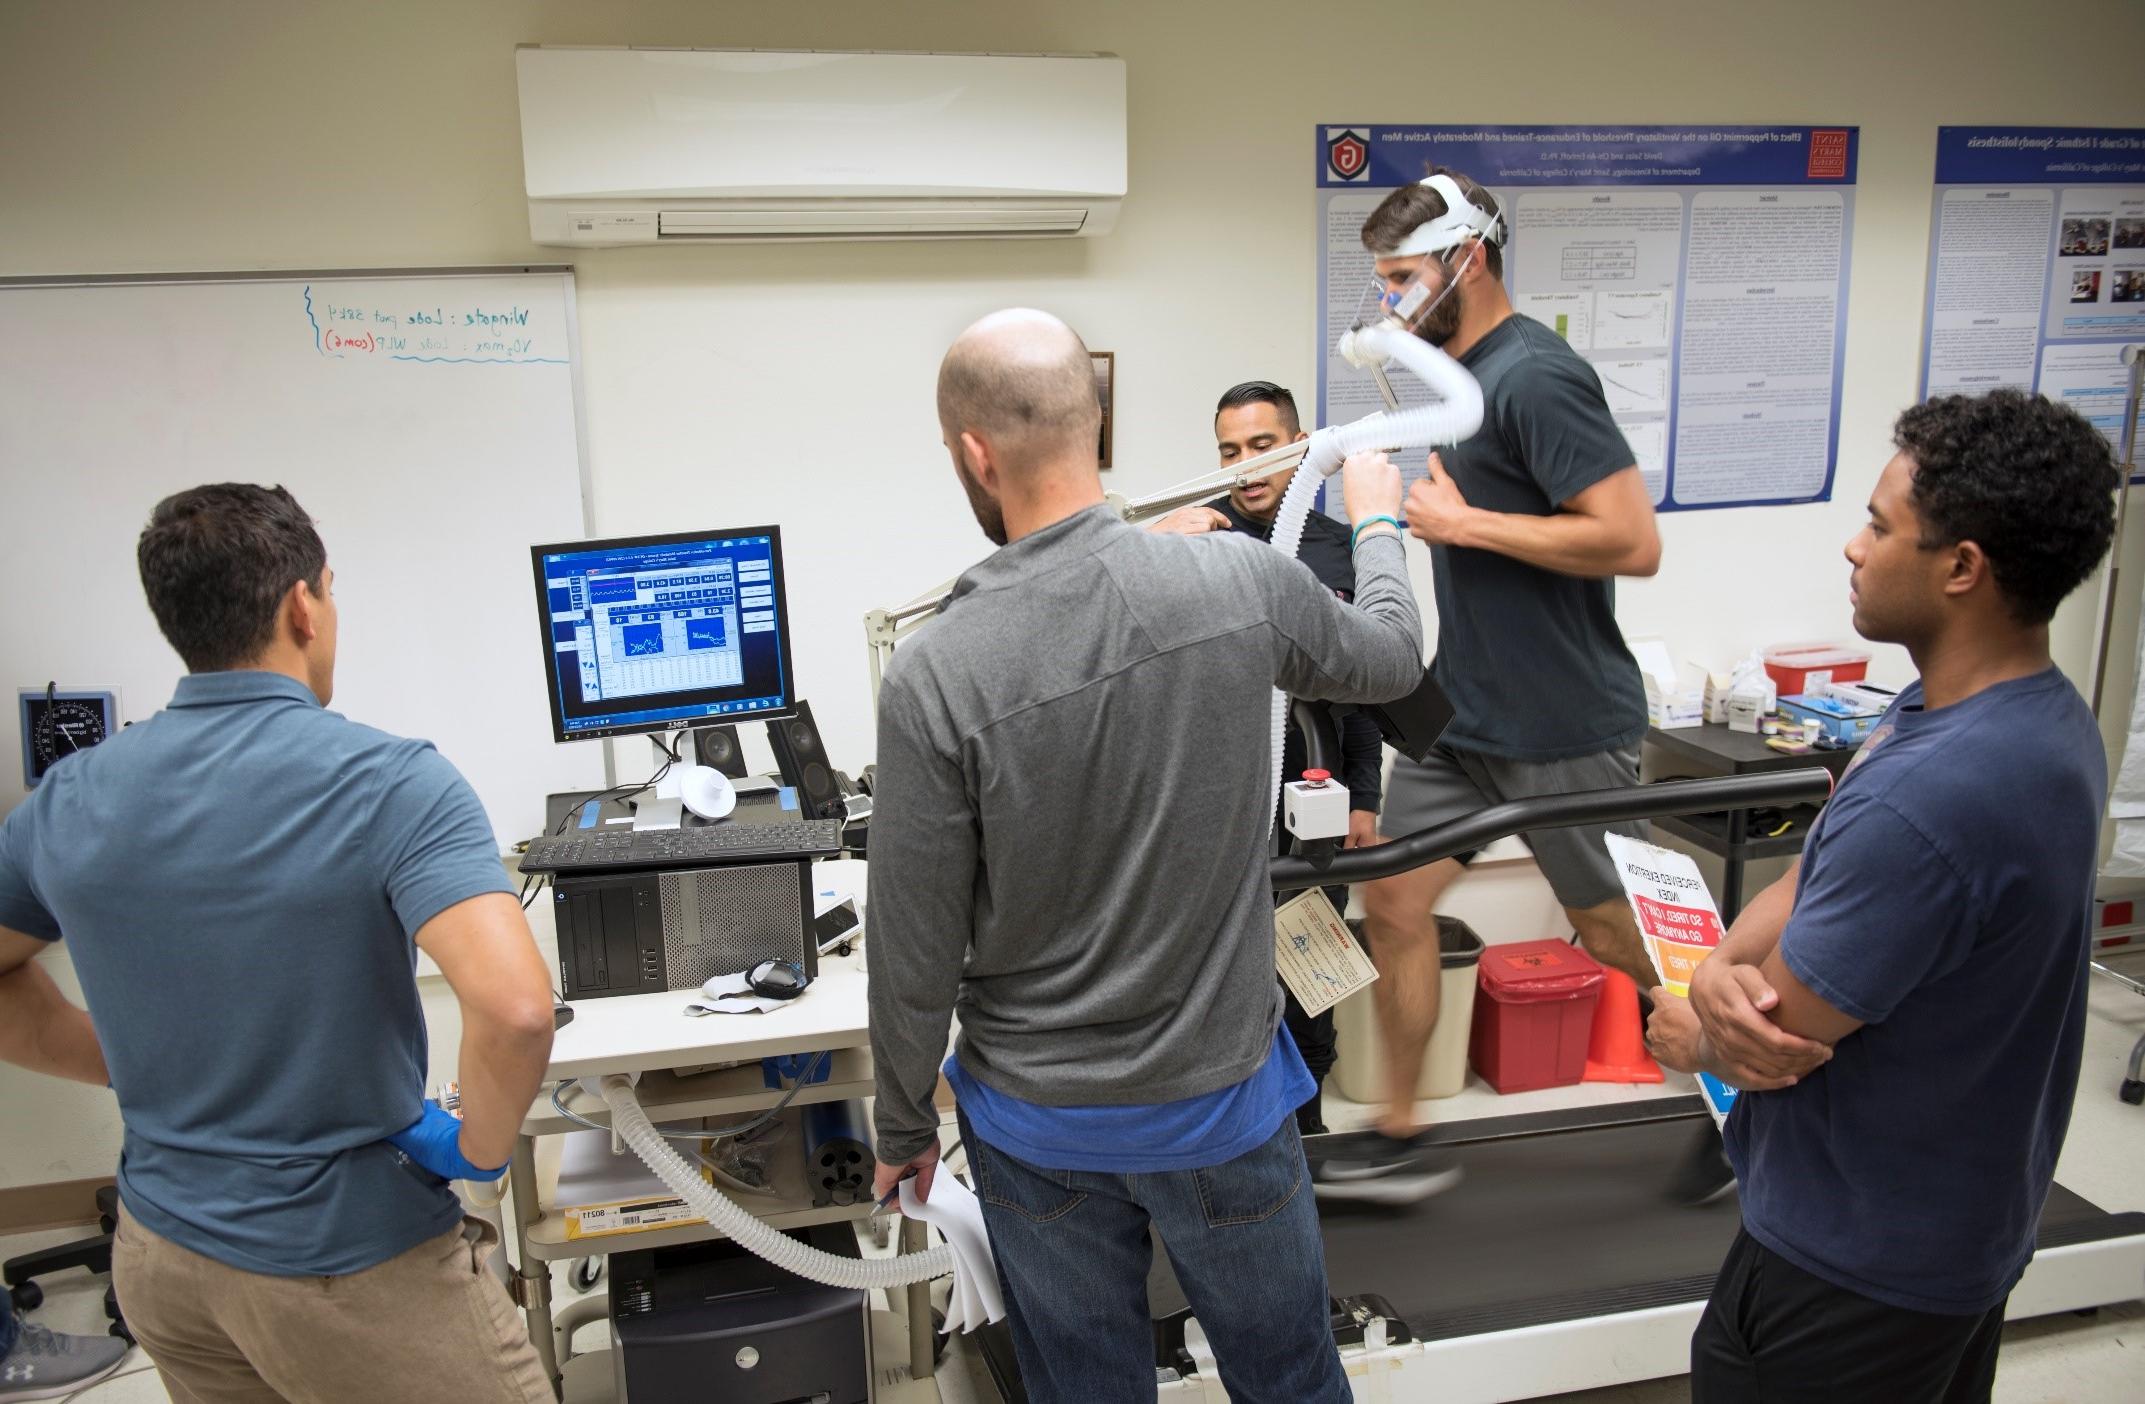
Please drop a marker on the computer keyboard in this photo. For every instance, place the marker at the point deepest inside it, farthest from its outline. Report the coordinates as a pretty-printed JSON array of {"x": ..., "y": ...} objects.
[{"x": 682, "y": 848}]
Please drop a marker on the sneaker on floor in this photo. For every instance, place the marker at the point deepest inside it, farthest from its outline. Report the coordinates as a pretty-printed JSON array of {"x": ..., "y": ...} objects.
[
  {"x": 48, "y": 1364},
  {"x": 1382, "y": 1169},
  {"x": 1704, "y": 1174}
]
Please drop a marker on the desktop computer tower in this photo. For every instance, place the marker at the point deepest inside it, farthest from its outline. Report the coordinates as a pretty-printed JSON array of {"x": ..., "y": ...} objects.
[
  {"x": 708, "y": 1321},
  {"x": 645, "y": 932}
]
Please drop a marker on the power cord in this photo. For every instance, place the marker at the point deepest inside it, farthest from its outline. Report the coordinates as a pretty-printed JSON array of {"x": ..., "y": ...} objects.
[
  {"x": 670, "y": 758},
  {"x": 534, "y": 884}
]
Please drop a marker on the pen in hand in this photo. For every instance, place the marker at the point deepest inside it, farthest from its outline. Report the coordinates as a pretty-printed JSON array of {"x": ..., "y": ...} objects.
[{"x": 894, "y": 1193}]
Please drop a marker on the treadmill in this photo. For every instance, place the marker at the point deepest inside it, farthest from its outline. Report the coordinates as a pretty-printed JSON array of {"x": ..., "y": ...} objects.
[{"x": 1559, "y": 1262}]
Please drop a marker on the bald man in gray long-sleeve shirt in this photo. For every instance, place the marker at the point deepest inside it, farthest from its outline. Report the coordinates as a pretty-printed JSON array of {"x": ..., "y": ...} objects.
[{"x": 1069, "y": 848}]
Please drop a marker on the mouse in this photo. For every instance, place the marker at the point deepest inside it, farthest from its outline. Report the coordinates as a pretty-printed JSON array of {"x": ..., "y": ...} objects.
[
  {"x": 778, "y": 979},
  {"x": 770, "y": 979},
  {"x": 706, "y": 791}
]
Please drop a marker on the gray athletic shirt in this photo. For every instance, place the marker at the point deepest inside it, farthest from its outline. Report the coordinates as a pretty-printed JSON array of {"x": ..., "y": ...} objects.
[{"x": 1069, "y": 843}]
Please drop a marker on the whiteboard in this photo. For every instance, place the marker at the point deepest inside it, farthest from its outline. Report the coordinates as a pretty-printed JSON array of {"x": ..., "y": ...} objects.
[{"x": 429, "y": 424}]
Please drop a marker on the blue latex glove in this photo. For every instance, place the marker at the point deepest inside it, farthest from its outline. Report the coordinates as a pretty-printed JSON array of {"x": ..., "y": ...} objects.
[{"x": 434, "y": 1141}]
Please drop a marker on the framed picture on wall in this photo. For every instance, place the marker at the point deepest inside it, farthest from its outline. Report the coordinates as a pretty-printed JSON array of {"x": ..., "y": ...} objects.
[{"x": 1105, "y": 387}]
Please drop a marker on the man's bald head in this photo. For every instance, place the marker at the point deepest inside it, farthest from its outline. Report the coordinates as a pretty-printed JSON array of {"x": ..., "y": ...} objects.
[{"x": 1022, "y": 380}]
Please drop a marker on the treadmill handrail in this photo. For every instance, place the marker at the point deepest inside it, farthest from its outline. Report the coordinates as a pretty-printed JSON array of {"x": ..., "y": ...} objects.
[{"x": 1806, "y": 785}]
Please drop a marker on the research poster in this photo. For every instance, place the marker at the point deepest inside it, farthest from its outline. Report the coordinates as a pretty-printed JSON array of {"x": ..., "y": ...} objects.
[
  {"x": 2036, "y": 264},
  {"x": 1702, "y": 271}
]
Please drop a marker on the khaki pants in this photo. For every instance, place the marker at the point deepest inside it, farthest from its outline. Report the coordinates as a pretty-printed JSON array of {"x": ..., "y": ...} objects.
[{"x": 430, "y": 1325}]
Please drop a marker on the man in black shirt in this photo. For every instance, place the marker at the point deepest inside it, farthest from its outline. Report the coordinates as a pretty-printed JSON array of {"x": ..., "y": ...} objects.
[
  {"x": 1529, "y": 523},
  {"x": 1252, "y": 418}
]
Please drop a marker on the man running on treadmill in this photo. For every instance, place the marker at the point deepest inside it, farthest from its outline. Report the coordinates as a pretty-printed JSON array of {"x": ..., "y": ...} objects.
[
  {"x": 1907, "y": 1009},
  {"x": 1528, "y": 523}
]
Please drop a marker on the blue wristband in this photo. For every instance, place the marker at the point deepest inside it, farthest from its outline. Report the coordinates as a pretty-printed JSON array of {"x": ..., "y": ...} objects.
[{"x": 1355, "y": 537}]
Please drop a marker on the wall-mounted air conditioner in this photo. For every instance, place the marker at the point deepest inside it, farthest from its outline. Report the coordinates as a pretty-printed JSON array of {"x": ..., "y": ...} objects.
[{"x": 698, "y": 146}]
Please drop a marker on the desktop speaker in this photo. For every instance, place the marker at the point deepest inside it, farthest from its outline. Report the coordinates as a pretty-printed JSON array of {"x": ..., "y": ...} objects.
[
  {"x": 802, "y": 758},
  {"x": 719, "y": 747},
  {"x": 645, "y": 932}
]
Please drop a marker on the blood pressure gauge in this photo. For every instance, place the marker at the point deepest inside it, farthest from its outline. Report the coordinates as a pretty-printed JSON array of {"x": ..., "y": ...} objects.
[{"x": 56, "y": 724}]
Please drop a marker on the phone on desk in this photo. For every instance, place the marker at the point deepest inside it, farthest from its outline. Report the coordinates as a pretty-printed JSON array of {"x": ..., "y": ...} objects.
[{"x": 837, "y": 926}]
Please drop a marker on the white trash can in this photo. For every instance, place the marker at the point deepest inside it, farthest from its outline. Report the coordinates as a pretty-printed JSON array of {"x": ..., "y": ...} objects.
[{"x": 1359, "y": 1062}]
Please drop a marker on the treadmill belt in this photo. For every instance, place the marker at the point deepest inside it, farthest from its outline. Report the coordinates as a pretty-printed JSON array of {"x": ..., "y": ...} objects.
[
  {"x": 1544, "y": 1228},
  {"x": 2064, "y": 1214},
  {"x": 1564, "y": 1226},
  {"x": 1560, "y": 1218}
]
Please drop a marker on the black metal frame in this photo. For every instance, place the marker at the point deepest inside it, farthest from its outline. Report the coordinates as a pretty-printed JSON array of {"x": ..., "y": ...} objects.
[{"x": 1787, "y": 787}]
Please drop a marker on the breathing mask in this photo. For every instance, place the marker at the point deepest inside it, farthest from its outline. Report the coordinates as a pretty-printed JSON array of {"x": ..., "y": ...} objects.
[{"x": 1411, "y": 305}]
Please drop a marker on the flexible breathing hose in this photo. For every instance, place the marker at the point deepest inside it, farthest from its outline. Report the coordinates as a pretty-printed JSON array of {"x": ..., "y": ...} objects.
[
  {"x": 870, "y": 1274},
  {"x": 1455, "y": 415}
]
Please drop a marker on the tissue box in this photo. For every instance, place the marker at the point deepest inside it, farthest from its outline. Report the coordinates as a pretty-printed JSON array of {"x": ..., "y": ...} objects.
[
  {"x": 1670, "y": 701},
  {"x": 1746, "y": 706},
  {"x": 1667, "y": 712},
  {"x": 1716, "y": 698},
  {"x": 1842, "y": 720}
]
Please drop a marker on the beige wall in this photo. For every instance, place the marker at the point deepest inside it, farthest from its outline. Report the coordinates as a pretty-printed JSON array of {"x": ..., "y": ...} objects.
[{"x": 794, "y": 384}]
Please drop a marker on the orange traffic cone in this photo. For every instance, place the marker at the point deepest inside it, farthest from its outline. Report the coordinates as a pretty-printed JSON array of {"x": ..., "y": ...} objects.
[{"x": 1616, "y": 1045}]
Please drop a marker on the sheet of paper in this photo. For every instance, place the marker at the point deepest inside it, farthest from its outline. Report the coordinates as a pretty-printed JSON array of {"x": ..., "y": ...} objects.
[
  {"x": 1702, "y": 272},
  {"x": 1317, "y": 954},
  {"x": 1679, "y": 924},
  {"x": 953, "y": 1209}
]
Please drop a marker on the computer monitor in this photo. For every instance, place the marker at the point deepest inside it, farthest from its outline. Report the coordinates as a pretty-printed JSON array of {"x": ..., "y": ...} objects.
[{"x": 657, "y": 633}]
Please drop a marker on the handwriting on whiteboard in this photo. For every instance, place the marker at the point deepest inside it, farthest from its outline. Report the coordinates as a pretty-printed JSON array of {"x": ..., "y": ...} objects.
[{"x": 364, "y": 327}]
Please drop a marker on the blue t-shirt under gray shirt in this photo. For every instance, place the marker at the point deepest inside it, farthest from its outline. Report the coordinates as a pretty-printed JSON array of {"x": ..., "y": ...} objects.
[
  {"x": 238, "y": 880},
  {"x": 1191, "y": 1133},
  {"x": 1946, "y": 902}
]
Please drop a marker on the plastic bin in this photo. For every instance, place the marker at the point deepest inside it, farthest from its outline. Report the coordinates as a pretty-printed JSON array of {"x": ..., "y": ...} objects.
[
  {"x": 1842, "y": 721},
  {"x": 1798, "y": 668},
  {"x": 1359, "y": 1064},
  {"x": 1534, "y": 1006}
]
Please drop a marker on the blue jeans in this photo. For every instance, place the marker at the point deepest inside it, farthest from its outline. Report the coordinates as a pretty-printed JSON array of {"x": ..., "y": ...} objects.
[{"x": 1073, "y": 1255}]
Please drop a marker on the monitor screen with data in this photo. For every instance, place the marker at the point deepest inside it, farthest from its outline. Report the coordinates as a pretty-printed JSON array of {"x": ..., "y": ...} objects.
[{"x": 653, "y": 633}]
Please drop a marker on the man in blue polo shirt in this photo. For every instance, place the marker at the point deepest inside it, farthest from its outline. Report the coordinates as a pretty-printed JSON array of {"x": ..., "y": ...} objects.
[
  {"x": 1909, "y": 1007},
  {"x": 243, "y": 882}
]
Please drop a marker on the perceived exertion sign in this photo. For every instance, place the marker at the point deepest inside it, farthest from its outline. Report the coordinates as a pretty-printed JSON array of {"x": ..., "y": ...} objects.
[{"x": 1678, "y": 922}]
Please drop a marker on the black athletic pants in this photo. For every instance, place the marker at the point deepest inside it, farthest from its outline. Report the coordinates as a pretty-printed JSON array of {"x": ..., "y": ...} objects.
[
  {"x": 1774, "y": 1334},
  {"x": 1314, "y": 1035}
]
